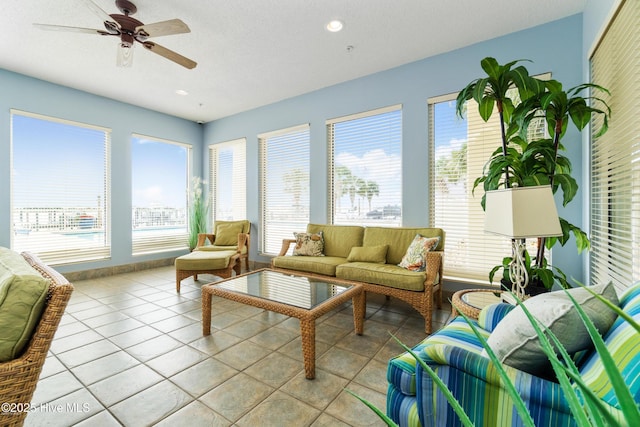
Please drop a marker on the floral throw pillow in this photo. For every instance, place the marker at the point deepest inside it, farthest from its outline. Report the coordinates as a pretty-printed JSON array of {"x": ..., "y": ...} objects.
[
  {"x": 309, "y": 244},
  {"x": 415, "y": 259}
]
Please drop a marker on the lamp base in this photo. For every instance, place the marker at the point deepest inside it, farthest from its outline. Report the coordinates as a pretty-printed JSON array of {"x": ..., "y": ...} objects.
[{"x": 518, "y": 270}]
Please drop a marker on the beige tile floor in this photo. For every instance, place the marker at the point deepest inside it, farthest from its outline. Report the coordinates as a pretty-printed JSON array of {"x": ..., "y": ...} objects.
[{"x": 130, "y": 351}]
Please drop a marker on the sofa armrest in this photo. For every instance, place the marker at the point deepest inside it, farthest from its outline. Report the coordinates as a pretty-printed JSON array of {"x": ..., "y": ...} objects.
[
  {"x": 286, "y": 243},
  {"x": 529, "y": 387},
  {"x": 434, "y": 267}
]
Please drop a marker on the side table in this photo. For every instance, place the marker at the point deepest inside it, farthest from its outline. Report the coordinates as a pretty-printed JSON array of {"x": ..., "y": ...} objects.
[{"x": 472, "y": 301}]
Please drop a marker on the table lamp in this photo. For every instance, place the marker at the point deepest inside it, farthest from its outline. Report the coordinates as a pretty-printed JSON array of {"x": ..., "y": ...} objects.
[{"x": 519, "y": 213}]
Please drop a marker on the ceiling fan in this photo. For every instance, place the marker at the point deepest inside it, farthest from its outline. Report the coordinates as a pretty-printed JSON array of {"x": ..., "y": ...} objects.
[{"x": 130, "y": 30}]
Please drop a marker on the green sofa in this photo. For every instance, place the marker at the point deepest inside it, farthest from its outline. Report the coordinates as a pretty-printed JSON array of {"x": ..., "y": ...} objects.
[{"x": 363, "y": 264}]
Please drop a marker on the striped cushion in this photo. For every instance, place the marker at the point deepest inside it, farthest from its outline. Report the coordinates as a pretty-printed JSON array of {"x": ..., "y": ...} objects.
[
  {"x": 623, "y": 342},
  {"x": 492, "y": 314}
]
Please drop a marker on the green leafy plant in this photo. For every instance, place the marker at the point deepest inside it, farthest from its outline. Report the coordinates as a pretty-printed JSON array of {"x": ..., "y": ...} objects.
[
  {"x": 587, "y": 408},
  {"x": 525, "y": 158},
  {"x": 198, "y": 209}
]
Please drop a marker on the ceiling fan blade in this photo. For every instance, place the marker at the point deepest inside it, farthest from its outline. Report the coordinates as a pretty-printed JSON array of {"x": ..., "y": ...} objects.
[
  {"x": 164, "y": 28},
  {"x": 170, "y": 55},
  {"x": 48, "y": 27},
  {"x": 104, "y": 16}
]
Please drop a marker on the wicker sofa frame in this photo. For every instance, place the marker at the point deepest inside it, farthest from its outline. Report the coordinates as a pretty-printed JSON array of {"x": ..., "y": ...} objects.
[{"x": 421, "y": 301}]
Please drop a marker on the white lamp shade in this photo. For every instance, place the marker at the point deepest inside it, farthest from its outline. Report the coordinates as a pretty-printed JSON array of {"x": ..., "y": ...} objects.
[{"x": 522, "y": 212}]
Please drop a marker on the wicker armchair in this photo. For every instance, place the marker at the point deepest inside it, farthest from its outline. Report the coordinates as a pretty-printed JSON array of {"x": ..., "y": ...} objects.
[{"x": 19, "y": 377}]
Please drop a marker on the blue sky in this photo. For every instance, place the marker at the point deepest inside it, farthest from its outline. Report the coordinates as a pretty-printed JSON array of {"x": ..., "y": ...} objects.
[
  {"x": 56, "y": 158},
  {"x": 159, "y": 173},
  {"x": 451, "y": 131}
]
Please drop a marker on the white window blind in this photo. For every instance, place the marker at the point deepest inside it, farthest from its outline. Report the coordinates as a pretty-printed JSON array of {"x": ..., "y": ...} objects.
[
  {"x": 460, "y": 148},
  {"x": 59, "y": 188},
  {"x": 284, "y": 186},
  {"x": 365, "y": 168},
  {"x": 160, "y": 184},
  {"x": 615, "y": 156},
  {"x": 228, "y": 180}
]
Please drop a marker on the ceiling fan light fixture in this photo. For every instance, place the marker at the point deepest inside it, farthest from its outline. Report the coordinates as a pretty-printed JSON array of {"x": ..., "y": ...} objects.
[
  {"x": 335, "y": 25},
  {"x": 125, "y": 55}
]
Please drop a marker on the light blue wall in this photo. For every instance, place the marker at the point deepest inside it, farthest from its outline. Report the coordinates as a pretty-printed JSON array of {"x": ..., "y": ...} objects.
[
  {"x": 36, "y": 96},
  {"x": 554, "y": 47}
]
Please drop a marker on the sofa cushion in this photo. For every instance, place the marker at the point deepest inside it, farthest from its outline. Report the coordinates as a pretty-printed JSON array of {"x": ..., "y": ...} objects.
[
  {"x": 338, "y": 239},
  {"x": 227, "y": 233},
  {"x": 308, "y": 244},
  {"x": 376, "y": 254},
  {"x": 398, "y": 239},
  {"x": 23, "y": 294},
  {"x": 415, "y": 257},
  {"x": 623, "y": 342},
  {"x": 382, "y": 274},
  {"x": 515, "y": 342},
  {"x": 325, "y": 265}
]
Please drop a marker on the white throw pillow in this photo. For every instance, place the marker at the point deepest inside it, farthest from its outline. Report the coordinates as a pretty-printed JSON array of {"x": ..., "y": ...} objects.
[{"x": 515, "y": 342}]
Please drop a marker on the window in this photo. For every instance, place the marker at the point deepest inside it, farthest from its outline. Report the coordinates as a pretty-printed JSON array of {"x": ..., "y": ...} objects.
[
  {"x": 284, "y": 186},
  {"x": 460, "y": 147},
  {"x": 615, "y": 156},
  {"x": 366, "y": 168},
  {"x": 228, "y": 181},
  {"x": 160, "y": 184},
  {"x": 59, "y": 188}
]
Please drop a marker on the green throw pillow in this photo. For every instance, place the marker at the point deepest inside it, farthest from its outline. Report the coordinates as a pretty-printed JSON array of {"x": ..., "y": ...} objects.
[
  {"x": 515, "y": 342},
  {"x": 23, "y": 293},
  {"x": 377, "y": 254},
  {"x": 227, "y": 234}
]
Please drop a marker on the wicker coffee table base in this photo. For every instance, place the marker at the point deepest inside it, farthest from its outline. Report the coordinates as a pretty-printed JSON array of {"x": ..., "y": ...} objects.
[{"x": 307, "y": 317}]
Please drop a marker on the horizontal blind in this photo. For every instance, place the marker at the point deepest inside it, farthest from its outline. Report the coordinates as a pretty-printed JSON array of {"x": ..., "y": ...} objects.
[
  {"x": 159, "y": 177},
  {"x": 228, "y": 180},
  {"x": 459, "y": 150},
  {"x": 60, "y": 199},
  {"x": 366, "y": 167},
  {"x": 615, "y": 156},
  {"x": 284, "y": 186}
]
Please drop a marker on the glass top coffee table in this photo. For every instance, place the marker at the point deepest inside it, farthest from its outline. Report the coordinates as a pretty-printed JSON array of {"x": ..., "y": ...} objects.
[{"x": 304, "y": 297}]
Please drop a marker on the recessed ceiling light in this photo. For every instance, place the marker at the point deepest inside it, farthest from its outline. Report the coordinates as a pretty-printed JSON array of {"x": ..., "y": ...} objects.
[
  {"x": 335, "y": 26},
  {"x": 182, "y": 92}
]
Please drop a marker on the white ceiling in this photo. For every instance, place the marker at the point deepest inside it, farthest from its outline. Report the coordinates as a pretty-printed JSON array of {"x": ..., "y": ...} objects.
[{"x": 251, "y": 52}]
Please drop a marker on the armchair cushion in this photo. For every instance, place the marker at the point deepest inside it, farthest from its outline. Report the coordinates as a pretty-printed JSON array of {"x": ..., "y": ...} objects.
[
  {"x": 516, "y": 343},
  {"x": 227, "y": 232}
]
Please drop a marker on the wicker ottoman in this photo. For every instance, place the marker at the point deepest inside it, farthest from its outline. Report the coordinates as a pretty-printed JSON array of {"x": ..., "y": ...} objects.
[{"x": 218, "y": 263}]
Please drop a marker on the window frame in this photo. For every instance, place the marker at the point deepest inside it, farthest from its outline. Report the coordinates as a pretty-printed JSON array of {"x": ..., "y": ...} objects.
[
  {"x": 393, "y": 218},
  {"x": 293, "y": 226},
  {"x": 162, "y": 242},
  {"x": 70, "y": 254}
]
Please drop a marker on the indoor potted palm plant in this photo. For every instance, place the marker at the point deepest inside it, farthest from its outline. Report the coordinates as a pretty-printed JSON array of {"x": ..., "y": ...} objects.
[
  {"x": 525, "y": 159},
  {"x": 198, "y": 208}
]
